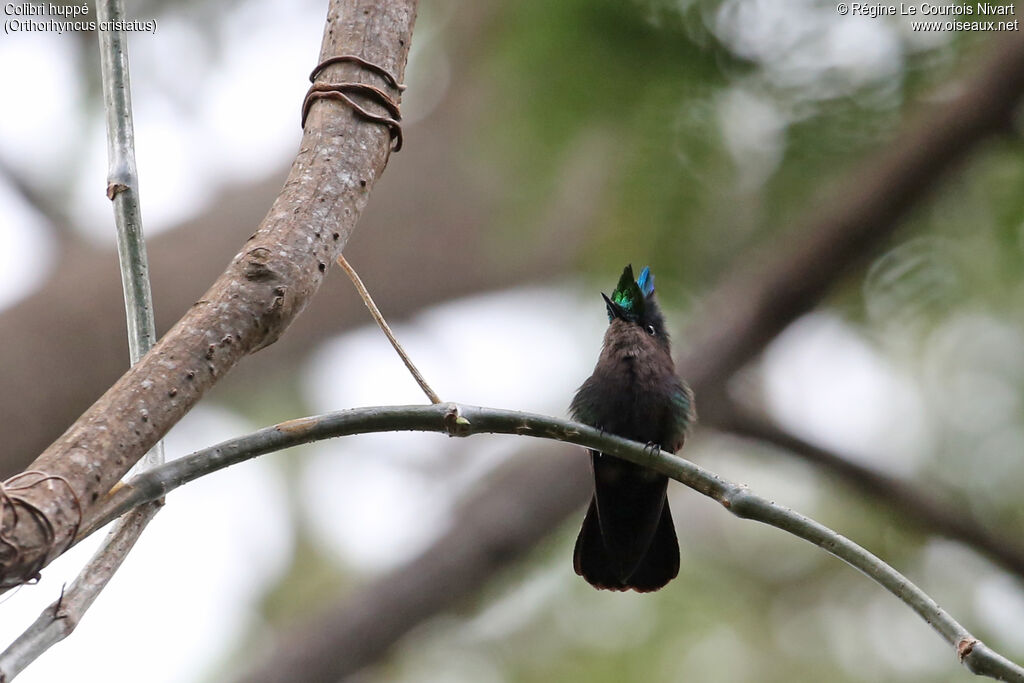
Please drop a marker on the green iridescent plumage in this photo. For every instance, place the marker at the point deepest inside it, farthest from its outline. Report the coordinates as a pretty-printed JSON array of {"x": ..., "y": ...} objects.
[
  {"x": 684, "y": 409},
  {"x": 627, "y": 294}
]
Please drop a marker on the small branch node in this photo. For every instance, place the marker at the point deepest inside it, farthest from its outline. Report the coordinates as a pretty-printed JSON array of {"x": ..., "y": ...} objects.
[
  {"x": 114, "y": 189},
  {"x": 58, "y": 607},
  {"x": 455, "y": 423},
  {"x": 965, "y": 647}
]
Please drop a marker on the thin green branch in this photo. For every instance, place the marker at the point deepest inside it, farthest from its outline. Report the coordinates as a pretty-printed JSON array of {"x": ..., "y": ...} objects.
[
  {"x": 123, "y": 192},
  {"x": 123, "y": 182},
  {"x": 461, "y": 420},
  {"x": 57, "y": 621},
  {"x": 926, "y": 508}
]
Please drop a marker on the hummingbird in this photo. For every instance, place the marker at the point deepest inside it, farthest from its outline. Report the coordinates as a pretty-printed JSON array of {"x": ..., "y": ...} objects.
[{"x": 628, "y": 540}]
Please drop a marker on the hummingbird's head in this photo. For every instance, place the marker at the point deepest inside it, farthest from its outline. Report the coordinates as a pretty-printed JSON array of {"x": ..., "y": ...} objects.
[{"x": 633, "y": 303}]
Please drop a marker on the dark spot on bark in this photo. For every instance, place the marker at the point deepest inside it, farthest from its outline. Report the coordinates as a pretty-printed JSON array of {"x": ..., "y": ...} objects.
[
  {"x": 316, "y": 234},
  {"x": 322, "y": 266},
  {"x": 190, "y": 374},
  {"x": 94, "y": 496},
  {"x": 226, "y": 341},
  {"x": 401, "y": 42},
  {"x": 98, "y": 477},
  {"x": 278, "y": 301},
  {"x": 172, "y": 393},
  {"x": 362, "y": 183},
  {"x": 335, "y": 236},
  {"x": 145, "y": 417},
  {"x": 210, "y": 351}
]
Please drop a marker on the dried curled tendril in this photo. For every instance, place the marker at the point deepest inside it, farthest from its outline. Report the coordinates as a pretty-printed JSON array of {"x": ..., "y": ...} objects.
[
  {"x": 344, "y": 90},
  {"x": 11, "y": 498}
]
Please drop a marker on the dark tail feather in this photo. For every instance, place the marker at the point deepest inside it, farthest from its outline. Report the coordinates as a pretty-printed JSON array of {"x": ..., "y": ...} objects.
[
  {"x": 591, "y": 559},
  {"x": 661, "y": 563},
  {"x": 595, "y": 564}
]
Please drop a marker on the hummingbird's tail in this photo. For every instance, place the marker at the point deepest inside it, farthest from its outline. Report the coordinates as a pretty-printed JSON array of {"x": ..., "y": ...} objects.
[
  {"x": 625, "y": 552},
  {"x": 661, "y": 563}
]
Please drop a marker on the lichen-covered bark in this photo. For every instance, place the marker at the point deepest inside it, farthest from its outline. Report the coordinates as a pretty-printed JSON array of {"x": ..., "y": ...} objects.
[{"x": 265, "y": 286}]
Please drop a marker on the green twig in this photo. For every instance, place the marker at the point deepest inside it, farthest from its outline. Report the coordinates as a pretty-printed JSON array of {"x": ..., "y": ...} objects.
[
  {"x": 58, "y": 620},
  {"x": 462, "y": 420},
  {"x": 123, "y": 192}
]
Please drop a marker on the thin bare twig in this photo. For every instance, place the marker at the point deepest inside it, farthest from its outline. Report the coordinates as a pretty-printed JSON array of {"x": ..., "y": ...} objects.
[
  {"x": 463, "y": 420},
  {"x": 386, "y": 329}
]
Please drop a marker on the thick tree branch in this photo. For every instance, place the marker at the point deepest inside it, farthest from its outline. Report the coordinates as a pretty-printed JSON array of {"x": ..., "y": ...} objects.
[
  {"x": 266, "y": 285},
  {"x": 51, "y": 377},
  {"x": 463, "y": 420},
  {"x": 762, "y": 296}
]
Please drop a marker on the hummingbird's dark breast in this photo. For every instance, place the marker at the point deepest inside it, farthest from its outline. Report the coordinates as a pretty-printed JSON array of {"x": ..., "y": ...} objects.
[{"x": 633, "y": 390}]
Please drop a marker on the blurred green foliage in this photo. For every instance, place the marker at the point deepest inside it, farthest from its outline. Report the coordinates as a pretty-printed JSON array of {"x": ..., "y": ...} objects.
[
  {"x": 711, "y": 148},
  {"x": 651, "y": 81}
]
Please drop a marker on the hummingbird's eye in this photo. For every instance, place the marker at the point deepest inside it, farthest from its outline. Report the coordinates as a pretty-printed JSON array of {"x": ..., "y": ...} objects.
[{"x": 650, "y": 330}]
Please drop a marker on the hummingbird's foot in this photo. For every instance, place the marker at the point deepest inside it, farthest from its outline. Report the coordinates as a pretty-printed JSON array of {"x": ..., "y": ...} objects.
[{"x": 650, "y": 448}]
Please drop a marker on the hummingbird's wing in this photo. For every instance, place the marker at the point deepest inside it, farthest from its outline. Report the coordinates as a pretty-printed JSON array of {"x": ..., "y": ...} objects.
[{"x": 683, "y": 413}]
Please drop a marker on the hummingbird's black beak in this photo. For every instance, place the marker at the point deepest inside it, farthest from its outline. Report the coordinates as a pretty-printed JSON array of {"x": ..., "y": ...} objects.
[{"x": 614, "y": 310}]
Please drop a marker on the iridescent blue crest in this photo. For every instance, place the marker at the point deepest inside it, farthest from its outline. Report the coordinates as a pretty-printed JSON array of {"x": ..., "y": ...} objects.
[{"x": 646, "y": 281}]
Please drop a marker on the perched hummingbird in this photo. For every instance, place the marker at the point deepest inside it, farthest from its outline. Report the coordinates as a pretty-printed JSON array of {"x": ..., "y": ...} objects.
[{"x": 628, "y": 541}]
